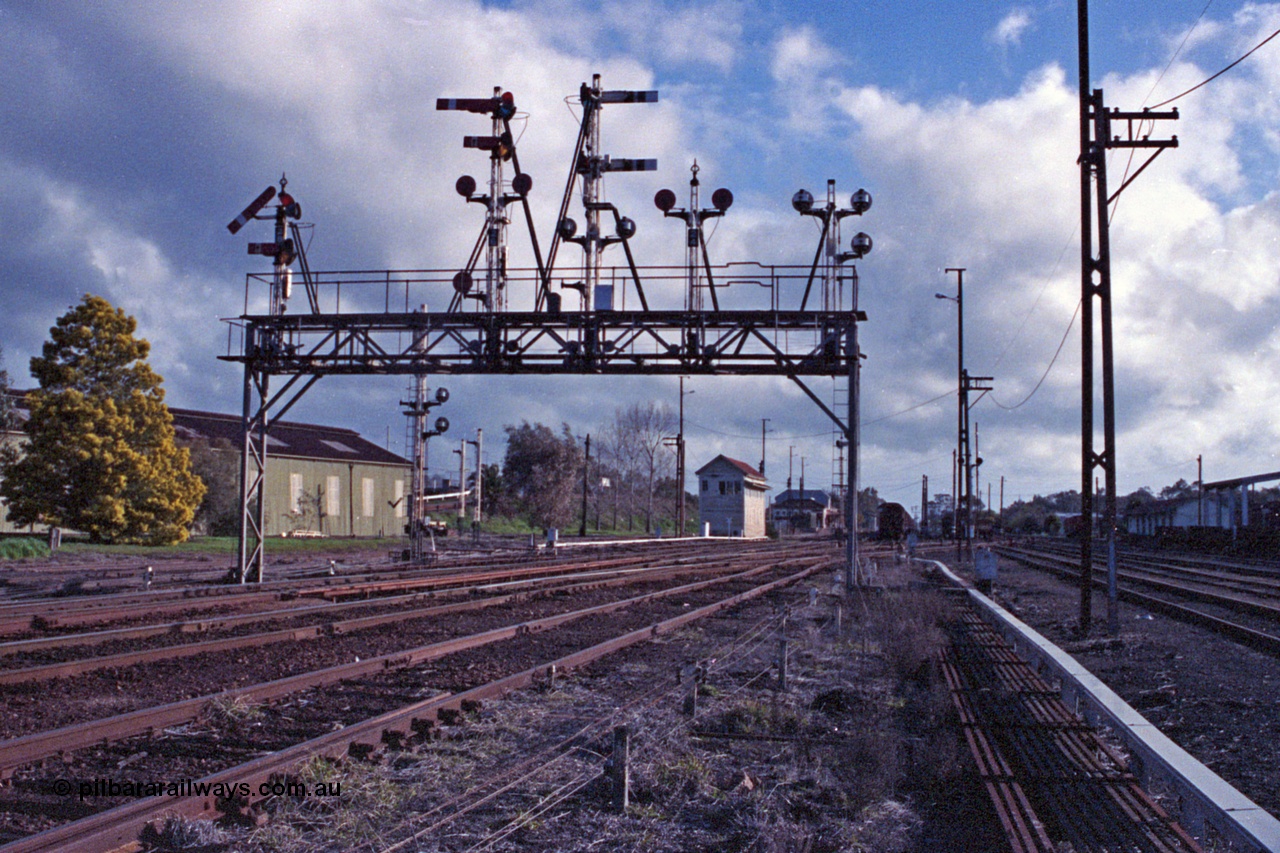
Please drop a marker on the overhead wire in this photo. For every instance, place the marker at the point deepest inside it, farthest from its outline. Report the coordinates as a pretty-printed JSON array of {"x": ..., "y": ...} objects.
[
  {"x": 1052, "y": 361},
  {"x": 1178, "y": 52},
  {"x": 736, "y": 435},
  {"x": 905, "y": 411},
  {"x": 1048, "y": 280},
  {"x": 1172, "y": 59},
  {"x": 1213, "y": 77}
]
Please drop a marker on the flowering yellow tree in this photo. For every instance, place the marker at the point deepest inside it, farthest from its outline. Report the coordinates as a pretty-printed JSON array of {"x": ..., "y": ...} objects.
[{"x": 100, "y": 455}]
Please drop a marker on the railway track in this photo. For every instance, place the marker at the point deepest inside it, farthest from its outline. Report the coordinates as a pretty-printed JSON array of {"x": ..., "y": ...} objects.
[
  {"x": 40, "y": 617},
  {"x": 443, "y": 682},
  {"x": 1250, "y": 617},
  {"x": 480, "y": 596},
  {"x": 365, "y": 689}
]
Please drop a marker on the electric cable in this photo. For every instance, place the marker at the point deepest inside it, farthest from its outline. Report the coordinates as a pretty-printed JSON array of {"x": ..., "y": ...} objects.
[
  {"x": 1048, "y": 280},
  {"x": 904, "y": 411},
  {"x": 1210, "y": 79},
  {"x": 1178, "y": 52},
  {"x": 1052, "y": 361},
  {"x": 736, "y": 435}
]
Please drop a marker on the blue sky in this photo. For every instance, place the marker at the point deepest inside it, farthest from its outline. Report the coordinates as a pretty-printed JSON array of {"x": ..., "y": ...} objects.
[{"x": 135, "y": 130}]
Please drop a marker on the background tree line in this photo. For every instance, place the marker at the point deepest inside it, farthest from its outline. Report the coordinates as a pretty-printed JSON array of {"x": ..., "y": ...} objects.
[{"x": 630, "y": 477}]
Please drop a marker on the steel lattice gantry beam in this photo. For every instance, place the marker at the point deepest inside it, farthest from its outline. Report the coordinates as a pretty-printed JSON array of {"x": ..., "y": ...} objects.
[
  {"x": 764, "y": 343},
  {"x": 303, "y": 348}
]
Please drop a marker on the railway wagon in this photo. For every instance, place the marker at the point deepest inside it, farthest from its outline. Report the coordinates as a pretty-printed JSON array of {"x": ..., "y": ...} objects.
[{"x": 895, "y": 522}]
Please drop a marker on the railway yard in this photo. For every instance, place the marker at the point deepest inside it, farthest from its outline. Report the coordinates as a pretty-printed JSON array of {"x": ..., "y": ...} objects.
[{"x": 513, "y": 699}]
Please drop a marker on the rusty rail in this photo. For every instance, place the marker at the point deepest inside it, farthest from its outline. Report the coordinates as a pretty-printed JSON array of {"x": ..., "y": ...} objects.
[{"x": 120, "y": 827}]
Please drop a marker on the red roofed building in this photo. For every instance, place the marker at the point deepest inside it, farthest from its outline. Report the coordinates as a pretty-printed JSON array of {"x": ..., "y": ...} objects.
[{"x": 731, "y": 498}]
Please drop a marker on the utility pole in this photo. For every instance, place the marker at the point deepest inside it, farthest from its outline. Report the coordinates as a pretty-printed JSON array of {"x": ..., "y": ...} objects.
[
  {"x": 924, "y": 506},
  {"x": 955, "y": 504},
  {"x": 462, "y": 481},
  {"x": 479, "y": 443},
  {"x": 681, "y": 521},
  {"x": 791, "y": 459},
  {"x": 1002, "y": 503},
  {"x": 586, "y": 467},
  {"x": 1200, "y": 490},
  {"x": 1096, "y": 137},
  {"x": 763, "y": 423},
  {"x": 964, "y": 455}
]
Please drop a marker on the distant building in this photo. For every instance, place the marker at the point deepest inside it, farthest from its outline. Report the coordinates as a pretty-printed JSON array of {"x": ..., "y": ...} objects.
[
  {"x": 1148, "y": 518},
  {"x": 803, "y": 509},
  {"x": 731, "y": 498}
]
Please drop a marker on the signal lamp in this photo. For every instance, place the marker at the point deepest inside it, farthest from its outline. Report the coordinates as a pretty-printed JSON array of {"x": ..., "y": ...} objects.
[
  {"x": 465, "y": 186},
  {"x": 292, "y": 209},
  {"x": 626, "y": 228},
  {"x": 462, "y": 282},
  {"x": 722, "y": 199},
  {"x": 522, "y": 183},
  {"x": 567, "y": 228},
  {"x": 802, "y": 201},
  {"x": 442, "y": 395},
  {"x": 861, "y": 244},
  {"x": 442, "y": 424},
  {"x": 507, "y": 105},
  {"x": 860, "y": 202},
  {"x": 664, "y": 200}
]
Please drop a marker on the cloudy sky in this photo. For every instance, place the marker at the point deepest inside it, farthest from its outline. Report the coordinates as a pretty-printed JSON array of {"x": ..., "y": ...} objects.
[{"x": 134, "y": 131}]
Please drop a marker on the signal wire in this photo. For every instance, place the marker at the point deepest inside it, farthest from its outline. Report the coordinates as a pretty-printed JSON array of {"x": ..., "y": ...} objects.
[
  {"x": 1132, "y": 151},
  {"x": 1208, "y": 80},
  {"x": 1052, "y": 361},
  {"x": 1178, "y": 52},
  {"x": 904, "y": 411}
]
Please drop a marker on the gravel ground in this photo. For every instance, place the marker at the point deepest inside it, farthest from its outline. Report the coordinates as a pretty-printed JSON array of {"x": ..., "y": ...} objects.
[{"x": 861, "y": 753}]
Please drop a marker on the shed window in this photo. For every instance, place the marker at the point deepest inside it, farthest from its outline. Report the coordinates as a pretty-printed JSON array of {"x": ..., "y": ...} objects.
[
  {"x": 295, "y": 492},
  {"x": 704, "y": 485},
  {"x": 722, "y": 485},
  {"x": 332, "y": 495},
  {"x": 366, "y": 503},
  {"x": 399, "y": 498}
]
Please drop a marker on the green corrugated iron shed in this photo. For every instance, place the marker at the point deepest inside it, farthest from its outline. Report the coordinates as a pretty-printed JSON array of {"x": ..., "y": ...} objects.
[{"x": 320, "y": 479}]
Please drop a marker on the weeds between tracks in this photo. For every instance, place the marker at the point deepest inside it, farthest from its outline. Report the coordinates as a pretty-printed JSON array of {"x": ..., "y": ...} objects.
[{"x": 855, "y": 756}]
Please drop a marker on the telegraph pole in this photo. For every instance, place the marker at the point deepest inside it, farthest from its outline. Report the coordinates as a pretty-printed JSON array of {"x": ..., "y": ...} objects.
[
  {"x": 479, "y": 442},
  {"x": 763, "y": 423},
  {"x": 924, "y": 506},
  {"x": 1097, "y": 135},
  {"x": 1200, "y": 490},
  {"x": 680, "y": 472},
  {"x": 586, "y": 467}
]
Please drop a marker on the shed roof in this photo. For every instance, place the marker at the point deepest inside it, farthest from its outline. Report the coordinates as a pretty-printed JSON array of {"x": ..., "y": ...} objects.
[
  {"x": 818, "y": 496},
  {"x": 753, "y": 477},
  {"x": 287, "y": 438}
]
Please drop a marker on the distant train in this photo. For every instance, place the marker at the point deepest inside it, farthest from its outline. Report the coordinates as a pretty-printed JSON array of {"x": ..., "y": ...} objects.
[{"x": 895, "y": 522}]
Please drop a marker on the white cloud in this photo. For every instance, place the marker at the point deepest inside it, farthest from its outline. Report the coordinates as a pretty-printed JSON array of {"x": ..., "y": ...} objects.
[
  {"x": 1009, "y": 32},
  {"x": 342, "y": 98}
]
